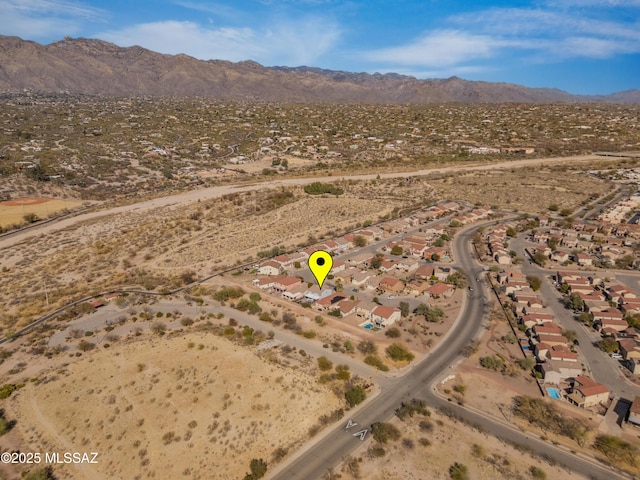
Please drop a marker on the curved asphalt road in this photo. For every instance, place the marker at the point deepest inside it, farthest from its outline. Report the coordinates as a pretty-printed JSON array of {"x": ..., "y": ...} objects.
[{"x": 339, "y": 442}]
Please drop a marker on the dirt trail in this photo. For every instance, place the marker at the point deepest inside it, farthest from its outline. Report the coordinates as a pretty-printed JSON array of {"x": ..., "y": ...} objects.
[{"x": 186, "y": 198}]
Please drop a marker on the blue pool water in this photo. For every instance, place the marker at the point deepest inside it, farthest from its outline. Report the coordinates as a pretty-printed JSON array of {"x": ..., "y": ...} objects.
[
  {"x": 553, "y": 393},
  {"x": 368, "y": 326}
]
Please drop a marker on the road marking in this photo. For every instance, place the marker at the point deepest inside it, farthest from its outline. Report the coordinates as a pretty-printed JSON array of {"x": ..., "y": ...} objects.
[
  {"x": 361, "y": 434},
  {"x": 350, "y": 424}
]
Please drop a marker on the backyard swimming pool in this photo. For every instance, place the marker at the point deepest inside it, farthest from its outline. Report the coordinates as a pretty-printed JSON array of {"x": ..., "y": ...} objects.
[{"x": 553, "y": 393}]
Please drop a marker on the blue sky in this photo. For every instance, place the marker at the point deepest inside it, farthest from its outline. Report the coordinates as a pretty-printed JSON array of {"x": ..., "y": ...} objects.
[{"x": 582, "y": 46}]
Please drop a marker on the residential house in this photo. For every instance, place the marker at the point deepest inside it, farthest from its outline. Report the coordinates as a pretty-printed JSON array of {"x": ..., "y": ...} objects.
[
  {"x": 391, "y": 285},
  {"x": 552, "y": 340},
  {"x": 583, "y": 259},
  {"x": 365, "y": 310},
  {"x": 561, "y": 352},
  {"x": 607, "y": 315},
  {"x": 348, "y": 307},
  {"x": 269, "y": 268},
  {"x": 558, "y": 371},
  {"x": 587, "y": 393},
  {"x": 629, "y": 348},
  {"x": 329, "y": 302},
  {"x": 417, "y": 286},
  {"x": 531, "y": 319},
  {"x": 441, "y": 290},
  {"x": 384, "y": 316},
  {"x": 283, "y": 283},
  {"x": 634, "y": 412},
  {"x": 559, "y": 256}
]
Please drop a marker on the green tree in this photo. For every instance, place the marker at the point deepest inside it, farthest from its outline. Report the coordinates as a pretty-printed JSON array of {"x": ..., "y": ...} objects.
[
  {"x": 540, "y": 258},
  {"x": 376, "y": 261},
  {"x": 608, "y": 345},
  {"x": 534, "y": 282},
  {"x": 396, "y": 250},
  {"x": 359, "y": 241},
  {"x": 404, "y": 309},
  {"x": 574, "y": 301},
  {"x": 526, "y": 363}
]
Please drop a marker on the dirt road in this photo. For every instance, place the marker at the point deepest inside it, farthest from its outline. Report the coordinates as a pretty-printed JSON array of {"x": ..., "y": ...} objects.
[{"x": 186, "y": 198}]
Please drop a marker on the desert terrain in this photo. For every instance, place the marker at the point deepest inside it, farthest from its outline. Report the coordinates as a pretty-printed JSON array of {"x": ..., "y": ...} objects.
[{"x": 204, "y": 416}]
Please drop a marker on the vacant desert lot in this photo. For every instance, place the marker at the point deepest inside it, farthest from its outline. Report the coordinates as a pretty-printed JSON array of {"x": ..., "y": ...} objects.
[
  {"x": 192, "y": 406},
  {"x": 13, "y": 211},
  {"x": 530, "y": 189},
  {"x": 429, "y": 446}
]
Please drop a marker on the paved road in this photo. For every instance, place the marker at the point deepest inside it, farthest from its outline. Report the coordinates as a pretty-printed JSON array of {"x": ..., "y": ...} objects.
[
  {"x": 603, "y": 368},
  {"x": 339, "y": 442}
]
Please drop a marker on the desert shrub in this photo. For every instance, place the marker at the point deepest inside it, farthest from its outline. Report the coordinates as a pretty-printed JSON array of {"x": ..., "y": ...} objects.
[
  {"x": 367, "y": 347},
  {"x": 375, "y": 361},
  {"x": 411, "y": 408},
  {"x": 492, "y": 362},
  {"x": 186, "y": 322},
  {"x": 545, "y": 415},
  {"x": 399, "y": 352},
  {"x": 342, "y": 372},
  {"x": 375, "y": 451},
  {"x": 318, "y": 188},
  {"x": 258, "y": 469},
  {"x": 355, "y": 395},
  {"x": 158, "y": 328},
  {"x": 6, "y": 390},
  {"x": 40, "y": 474},
  {"x": 384, "y": 432},
  {"x": 458, "y": 471},
  {"x": 324, "y": 364},
  {"x": 227, "y": 293},
  {"x": 255, "y": 297},
  {"x": 616, "y": 449},
  {"x": 85, "y": 346},
  {"x": 393, "y": 332},
  {"x": 537, "y": 472}
]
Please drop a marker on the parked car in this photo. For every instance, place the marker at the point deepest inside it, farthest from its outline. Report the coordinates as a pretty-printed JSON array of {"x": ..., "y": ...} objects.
[
  {"x": 616, "y": 356},
  {"x": 390, "y": 297}
]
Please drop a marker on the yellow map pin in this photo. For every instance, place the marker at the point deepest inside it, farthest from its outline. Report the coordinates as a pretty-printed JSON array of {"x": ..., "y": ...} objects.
[{"x": 320, "y": 263}]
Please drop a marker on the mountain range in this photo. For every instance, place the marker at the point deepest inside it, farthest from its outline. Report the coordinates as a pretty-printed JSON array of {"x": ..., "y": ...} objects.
[{"x": 95, "y": 67}]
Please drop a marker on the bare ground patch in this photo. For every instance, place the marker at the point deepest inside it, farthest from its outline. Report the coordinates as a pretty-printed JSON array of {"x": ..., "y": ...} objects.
[{"x": 193, "y": 405}]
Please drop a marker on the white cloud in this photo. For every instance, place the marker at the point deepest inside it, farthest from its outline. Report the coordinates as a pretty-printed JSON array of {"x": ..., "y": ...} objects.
[
  {"x": 539, "y": 35},
  {"x": 440, "y": 48},
  {"x": 296, "y": 42},
  {"x": 36, "y": 19}
]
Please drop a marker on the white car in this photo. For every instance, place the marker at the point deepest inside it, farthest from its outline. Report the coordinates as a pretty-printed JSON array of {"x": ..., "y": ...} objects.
[
  {"x": 616, "y": 356},
  {"x": 390, "y": 297}
]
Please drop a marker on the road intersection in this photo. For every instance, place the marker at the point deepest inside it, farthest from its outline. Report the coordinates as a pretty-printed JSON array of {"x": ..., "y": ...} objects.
[{"x": 330, "y": 449}]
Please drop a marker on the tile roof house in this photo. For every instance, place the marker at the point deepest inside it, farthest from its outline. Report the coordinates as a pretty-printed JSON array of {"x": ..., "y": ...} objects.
[
  {"x": 587, "y": 392},
  {"x": 384, "y": 316},
  {"x": 441, "y": 290}
]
